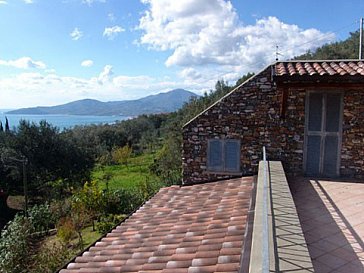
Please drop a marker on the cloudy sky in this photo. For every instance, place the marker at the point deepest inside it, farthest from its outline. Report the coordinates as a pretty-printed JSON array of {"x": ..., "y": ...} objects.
[{"x": 53, "y": 52}]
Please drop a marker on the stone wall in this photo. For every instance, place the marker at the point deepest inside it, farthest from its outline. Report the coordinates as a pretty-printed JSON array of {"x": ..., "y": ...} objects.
[
  {"x": 252, "y": 113},
  {"x": 352, "y": 151}
]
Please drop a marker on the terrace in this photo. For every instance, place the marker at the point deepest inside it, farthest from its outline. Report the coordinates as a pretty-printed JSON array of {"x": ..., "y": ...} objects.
[
  {"x": 331, "y": 216},
  {"x": 314, "y": 225}
]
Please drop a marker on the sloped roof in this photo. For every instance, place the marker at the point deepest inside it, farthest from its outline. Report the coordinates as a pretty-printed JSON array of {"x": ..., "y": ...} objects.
[
  {"x": 190, "y": 229},
  {"x": 345, "y": 69}
]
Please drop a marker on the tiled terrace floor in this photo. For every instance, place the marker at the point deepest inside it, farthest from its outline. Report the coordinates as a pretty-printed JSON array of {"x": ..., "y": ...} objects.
[{"x": 332, "y": 218}]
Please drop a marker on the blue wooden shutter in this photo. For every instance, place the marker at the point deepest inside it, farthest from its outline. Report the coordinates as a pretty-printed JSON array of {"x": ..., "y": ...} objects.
[
  {"x": 313, "y": 155},
  {"x": 215, "y": 155},
  {"x": 232, "y": 156}
]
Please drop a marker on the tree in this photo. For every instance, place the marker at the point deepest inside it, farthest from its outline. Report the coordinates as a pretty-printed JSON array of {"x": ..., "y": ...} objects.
[
  {"x": 347, "y": 49},
  {"x": 89, "y": 199},
  {"x": 7, "y": 128},
  {"x": 50, "y": 157},
  {"x": 80, "y": 217},
  {"x": 168, "y": 164},
  {"x": 1, "y": 127},
  {"x": 243, "y": 79},
  {"x": 121, "y": 155}
]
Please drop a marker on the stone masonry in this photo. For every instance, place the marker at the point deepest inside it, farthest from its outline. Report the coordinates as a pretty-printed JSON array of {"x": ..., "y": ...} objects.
[{"x": 252, "y": 113}]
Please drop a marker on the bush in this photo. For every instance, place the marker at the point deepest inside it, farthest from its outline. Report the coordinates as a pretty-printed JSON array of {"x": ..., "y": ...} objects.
[
  {"x": 149, "y": 187},
  {"x": 105, "y": 159},
  {"x": 41, "y": 218},
  {"x": 66, "y": 230},
  {"x": 51, "y": 257},
  {"x": 121, "y": 155},
  {"x": 107, "y": 222},
  {"x": 60, "y": 208},
  {"x": 167, "y": 164},
  {"x": 123, "y": 201},
  {"x": 15, "y": 246}
]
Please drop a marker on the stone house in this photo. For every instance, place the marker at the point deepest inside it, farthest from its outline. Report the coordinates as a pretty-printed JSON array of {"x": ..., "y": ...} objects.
[{"x": 308, "y": 114}]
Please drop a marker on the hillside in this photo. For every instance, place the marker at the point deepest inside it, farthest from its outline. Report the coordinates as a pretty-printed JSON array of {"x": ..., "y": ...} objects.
[
  {"x": 347, "y": 49},
  {"x": 160, "y": 103}
]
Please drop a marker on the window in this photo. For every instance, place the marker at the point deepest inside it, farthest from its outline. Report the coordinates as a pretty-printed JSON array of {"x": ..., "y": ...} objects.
[{"x": 223, "y": 155}]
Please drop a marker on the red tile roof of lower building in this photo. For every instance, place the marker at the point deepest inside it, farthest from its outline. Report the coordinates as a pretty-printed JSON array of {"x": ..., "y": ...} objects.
[
  {"x": 320, "y": 68},
  {"x": 198, "y": 228}
]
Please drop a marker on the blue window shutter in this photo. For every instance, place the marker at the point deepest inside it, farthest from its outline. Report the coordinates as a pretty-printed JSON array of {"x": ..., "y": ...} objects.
[
  {"x": 232, "y": 155},
  {"x": 215, "y": 154}
]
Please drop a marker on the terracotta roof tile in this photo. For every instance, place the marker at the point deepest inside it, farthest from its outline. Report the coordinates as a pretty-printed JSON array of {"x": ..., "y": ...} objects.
[
  {"x": 319, "y": 68},
  {"x": 196, "y": 229}
]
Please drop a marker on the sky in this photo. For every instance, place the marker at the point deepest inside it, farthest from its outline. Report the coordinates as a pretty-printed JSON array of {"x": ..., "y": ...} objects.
[{"x": 57, "y": 51}]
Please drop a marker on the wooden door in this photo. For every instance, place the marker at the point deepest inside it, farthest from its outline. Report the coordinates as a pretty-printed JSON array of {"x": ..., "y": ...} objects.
[{"x": 323, "y": 132}]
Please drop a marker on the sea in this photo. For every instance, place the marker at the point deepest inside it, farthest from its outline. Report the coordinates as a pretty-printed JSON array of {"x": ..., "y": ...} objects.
[{"x": 60, "y": 121}]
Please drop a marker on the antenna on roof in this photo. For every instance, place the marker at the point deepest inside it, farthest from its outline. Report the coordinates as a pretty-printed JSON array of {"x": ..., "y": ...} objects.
[
  {"x": 361, "y": 38},
  {"x": 277, "y": 53}
]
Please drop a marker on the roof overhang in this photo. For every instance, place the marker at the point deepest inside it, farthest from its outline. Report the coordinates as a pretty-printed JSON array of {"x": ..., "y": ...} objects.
[{"x": 323, "y": 72}]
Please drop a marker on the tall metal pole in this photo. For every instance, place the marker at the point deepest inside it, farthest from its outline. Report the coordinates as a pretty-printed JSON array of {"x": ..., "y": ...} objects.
[
  {"x": 25, "y": 185},
  {"x": 361, "y": 38}
]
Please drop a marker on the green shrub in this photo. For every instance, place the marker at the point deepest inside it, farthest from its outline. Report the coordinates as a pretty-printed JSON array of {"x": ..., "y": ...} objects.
[
  {"x": 121, "y": 155},
  {"x": 60, "y": 208},
  {"x": 41, "y": 218},
  {"x": 66, "y": 230},
  {"x": 51, "y": 257},
  {"x": 122, "y": 201},
  {"x": 15, "y": 246},
  {"x": 107, "y": 222},
  {"x": 105, "y": 159}
]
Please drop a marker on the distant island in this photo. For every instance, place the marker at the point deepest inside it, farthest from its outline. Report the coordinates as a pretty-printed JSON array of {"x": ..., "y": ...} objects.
[{"x": 160, "y": 103}]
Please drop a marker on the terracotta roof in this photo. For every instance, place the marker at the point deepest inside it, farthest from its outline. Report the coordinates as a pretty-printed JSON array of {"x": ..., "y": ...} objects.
[
  {"x": 191, "y": 229},
  {"x": 320, "y": 68}
]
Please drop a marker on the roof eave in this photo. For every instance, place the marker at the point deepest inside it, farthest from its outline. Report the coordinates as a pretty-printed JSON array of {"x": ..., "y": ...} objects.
[{"x": 288, "y": 79}]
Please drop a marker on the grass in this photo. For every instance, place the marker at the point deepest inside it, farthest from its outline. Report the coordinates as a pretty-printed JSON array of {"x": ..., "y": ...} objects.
[
  {"x": 88, "y": 236},
  {"x": 130, "y": 176}
]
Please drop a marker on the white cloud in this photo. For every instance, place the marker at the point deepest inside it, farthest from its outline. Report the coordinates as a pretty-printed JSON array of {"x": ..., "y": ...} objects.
[
  {"x": 190, "y": 74},
  {"x": 76, "y": 34},
  {"x": 24, "y": 63},
  {"x": 87, "y": 63},
  {"x": 208, "y": 34},
  {"x": 105, "y": 75},
  {"x": 28, "y": 1},
  {"x": 3, "y": 2},
  {"x": 112, "y": 32}
]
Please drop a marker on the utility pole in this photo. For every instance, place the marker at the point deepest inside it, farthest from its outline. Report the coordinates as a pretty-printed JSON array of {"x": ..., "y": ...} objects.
[
  {"x": 361, "y": 38},
  {"x": 24, "y": 162},
  {"x": 25, "y": 184}
]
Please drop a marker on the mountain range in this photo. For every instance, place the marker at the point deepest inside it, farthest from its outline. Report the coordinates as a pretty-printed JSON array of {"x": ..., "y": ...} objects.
[{"x": 160, "y": 103}]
